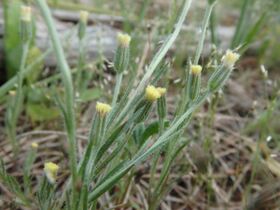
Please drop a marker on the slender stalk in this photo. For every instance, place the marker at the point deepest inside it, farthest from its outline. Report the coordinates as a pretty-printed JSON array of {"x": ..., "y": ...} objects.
[
  {"x": 117, "y": 88},
  {"x": 81, "y": 64},
  {"x": 204, "y": 30},
  {"x": 69, "y": 93},
  {"x": 242, "y": 21},
  {"x": 212, "y": 25},
  {"x": 17, "y": 102}
]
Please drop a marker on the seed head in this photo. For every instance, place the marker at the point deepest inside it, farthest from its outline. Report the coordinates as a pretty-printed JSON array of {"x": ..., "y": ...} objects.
[
  {"x": 34, "y": 145},
  {"x": 230, "y": 58},
  {"x": 12, "y": 92},
  {"x": 51, "y": 170},
  {"x": 152, "y": 93},
  {"x": 196, "y": 69},
  {"x": 103, "y": 108},
  {"x": 26, "y": 13},
  {"x": 124, "y": 40},
  {"x": 84, "y": 16}
]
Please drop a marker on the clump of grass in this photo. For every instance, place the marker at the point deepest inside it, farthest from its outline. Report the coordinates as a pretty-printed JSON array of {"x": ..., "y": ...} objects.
[{"x": 121, "y": 134}]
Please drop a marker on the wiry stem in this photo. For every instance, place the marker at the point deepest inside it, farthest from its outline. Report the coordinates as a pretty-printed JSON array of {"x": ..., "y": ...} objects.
[
  {"x": 17, "y": 102},
  {"x": 69, "y": 116}
]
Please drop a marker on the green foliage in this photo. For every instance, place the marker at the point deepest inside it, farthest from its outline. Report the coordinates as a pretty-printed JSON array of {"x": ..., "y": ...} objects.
[
  {"x": 90, "y": 94},
  {"x": 41, "y": 113},
  {"x": 11, "y": 39},
  {"x": 13, "y": 186},
  {"x": 35, "y": 70}
]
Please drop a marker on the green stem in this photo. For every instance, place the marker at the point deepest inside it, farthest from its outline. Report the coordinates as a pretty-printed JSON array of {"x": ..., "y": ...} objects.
[
  {"x": 20, "y": 81},
  {"x": 212, "y": 25},
  {"x": 242, "y": 23},
  {"x": 204, "y": 30},
  {"x": 17, "y": 102},
  {"x": 81, "y": 63},
  {"x": 117, "y": 88},
  {"x": 69, "y": 93}
]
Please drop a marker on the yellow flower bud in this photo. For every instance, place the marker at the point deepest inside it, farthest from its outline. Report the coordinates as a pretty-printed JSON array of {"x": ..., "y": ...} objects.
[
  {"x": 34, "y": 145},
  {"x": 12, "y": 92},
  {"x": 161, "y": 91},
  {"x": 230, "y": 58},
  {"x": 103, "y": 108},
  {"x": 196, "y": 69},
  {"x": 84, "y": 16},
  {"x": 26, "y": 13},
  {"x": 152, "y": 93},
  {"x": 51, "y": 170},
  {"x": 124, "y": 40}
]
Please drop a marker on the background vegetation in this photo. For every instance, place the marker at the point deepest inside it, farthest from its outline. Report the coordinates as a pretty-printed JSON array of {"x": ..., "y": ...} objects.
[{"x": 226, "y": 158}]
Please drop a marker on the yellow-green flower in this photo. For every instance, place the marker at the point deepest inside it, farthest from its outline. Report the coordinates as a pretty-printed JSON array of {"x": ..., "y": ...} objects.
[
  {"x": 230, "y": 58},
  {"x": 152, "y": 93},
  {"x": 34, "y": 145},
  {"x": 84, "y": 16},
  {"x": 196, "y": 69},
  {"x": 51, "y": 170},
  {"x": 12, "y": 92},
  {"x": 25, "y": 13},
  {"x": 103, "y": 108},
  {"x": 124, "y": 40},
  {"x": 161, "y": 91}
]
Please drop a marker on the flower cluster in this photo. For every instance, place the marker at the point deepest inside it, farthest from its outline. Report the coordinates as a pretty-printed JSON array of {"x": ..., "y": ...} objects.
[
  {"x": 230, "y": 58},
  {"x": 51, "y": 170},
  {"x": 153, "y": 93},
  {"x": 84, "y": 16},
  {"x": 34, "y": 145},
  {"x": 196, "y": 69},
  {"x": 123, "y": 40},
  {"x": 103, "y": 108},
  {"x": 25, "y": 13}
]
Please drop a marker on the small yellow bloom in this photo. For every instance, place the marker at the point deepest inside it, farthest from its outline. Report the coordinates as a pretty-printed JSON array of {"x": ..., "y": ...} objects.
[
  {"x": 161, "y": 91},
  {"x": 124, "y": 40},
  {"x": 196, "y": 69},
  {"x": 152, "y": 93},
  {"x": 12, "y": 92},
  {"x": 25, "y": 13},
  {"x": 103, "y": 108},
  {"x": 230, "y": 58},
  {"x": 34, "y": 145},
  {"x": 51, "y": 170},
  {"x": 84, "y": 16}
]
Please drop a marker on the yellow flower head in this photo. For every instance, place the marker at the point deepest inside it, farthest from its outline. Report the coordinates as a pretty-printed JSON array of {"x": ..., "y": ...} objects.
[
  {"x": 103, "y": 108},
  {"x": 84, "y": 16},
  {"x": 196, "y": 69},
  {"x": 25, "y": 13},
  {"x": 12, "y": 92},
  {"x": 152, "y": 93},
  {"x": 124, "y": 40},
  {"x": 34, "y": 145},
  {"x": 161, "y": 91},
  {"x": 230, "y": 58},
  {"x": 51, "y": 170}
]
